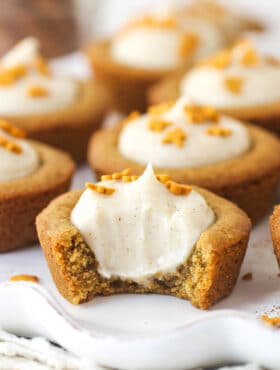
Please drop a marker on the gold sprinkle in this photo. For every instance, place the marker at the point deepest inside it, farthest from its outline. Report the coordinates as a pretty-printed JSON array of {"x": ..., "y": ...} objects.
[
  {"x": 158, "y": 125},
  {"x": 234, "y": 84},
  {"x": 100, "y": 189},
  {"x": 11, "y": 130},
  {"x": 126, "y": 178},
  {"x": 250, "y": 58},
  {"x": 8, "y": 76},
  {"x": 134, "y": 177},
  {"x": 132, "y": 116},
  {"x": 178, "y": 189},
  {"x": 10, "y": 145},
  {"x": 24, "y": 277},
  {"x": 220, "y": 61},
  {"x": 153, "y": 22},
  {"x": 199, "y": 114},
  {"x": 160, "y": 108},
  {"x": 218, "y": 131},
  {"x": 116, "y": 175},
  {"x": 273, "y": 321},
  {"x": 176, "y": 136},
  {"x": 189, "y": 44},
  {"x": 36, "y": 91},
  {"x": 163, "y": 178},
  {"x": 42, "y": 66}
]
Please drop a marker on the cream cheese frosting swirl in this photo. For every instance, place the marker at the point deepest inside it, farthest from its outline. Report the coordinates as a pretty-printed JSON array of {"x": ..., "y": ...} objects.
[
  {"x": 17, "y": 157},
  {"x": 139, "y": 228},
  {"x": 236, "y": 78},
  {"x": 27, "y": 90},
  {"x": 164, "y": 41},
  {"x": 174, "y": 139}
]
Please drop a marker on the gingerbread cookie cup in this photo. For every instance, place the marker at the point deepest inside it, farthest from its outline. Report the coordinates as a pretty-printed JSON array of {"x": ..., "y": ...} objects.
[
  {"x": 208, "y": 275},
  {"x": 129, "y": 85},
  {"x": 69, "y": 128},
  {"x": 275, "y": 231},
  {"x": 249, "y": 180},
  {"x": 22, "y": 199}
]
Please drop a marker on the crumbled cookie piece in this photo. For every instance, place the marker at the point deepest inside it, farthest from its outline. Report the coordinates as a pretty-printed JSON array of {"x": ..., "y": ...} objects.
[
  {"x": 234, "y": 84},
  {"x": 176, "y": 136}
]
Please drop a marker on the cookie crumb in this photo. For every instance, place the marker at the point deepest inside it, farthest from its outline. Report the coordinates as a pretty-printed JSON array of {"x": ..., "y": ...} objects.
[
  {"x": 234, "y": 84},
  {"x": 176, "y": 136},
  {"x": 25, "y": 277},
  {"x": 248, "y": 276},
  {"x": 273, "y": 321}
]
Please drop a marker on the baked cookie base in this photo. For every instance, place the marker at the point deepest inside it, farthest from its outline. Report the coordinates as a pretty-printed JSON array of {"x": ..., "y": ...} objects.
[
  {"x": 128, "y": 85},
  {"x": 251, "y": 182},
  {"x": 21, "y": 200},
  {"x": 206, "y": 277},
  {"x": 275, "y": 231}
]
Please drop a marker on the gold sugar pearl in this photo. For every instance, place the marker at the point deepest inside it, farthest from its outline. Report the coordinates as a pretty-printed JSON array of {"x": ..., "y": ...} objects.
[
  {"x": 42, "y": 66},
  {"x": 178, "y": 189},
  {"x": 11, "y": 130},
  {"x": 189, "y": 44},
  {"x": 131, "y": 117},
  {"x": 163, "y": 178},
  {"x": 176, "y": 136},
  {"x": 36, "y": 91},
  {"x": 234, "y": 84},
  {"x": 160, "y": 108},
  {"x": 10, "y": 145},
  {"x": 158, "y": 125},
  {"x": 219, "y": 131},
  {"x": 100, "y": 189},
  {"x": 8, "y": 76}
]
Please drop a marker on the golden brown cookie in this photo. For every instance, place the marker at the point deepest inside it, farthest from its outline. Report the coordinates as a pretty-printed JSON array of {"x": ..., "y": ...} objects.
[
  {"x": 69, "y": 128},
  {"x": 129, "y": 85},
  {"x": 22, "y": 199},
  {"x": 249, "y": 180},
  {"x": 275, "y": 231},
  {"x": 207, "y": 276}
]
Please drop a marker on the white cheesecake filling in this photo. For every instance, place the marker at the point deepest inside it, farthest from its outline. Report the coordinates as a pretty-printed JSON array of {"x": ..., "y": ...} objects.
[
  {"x": 17, "y": 165},
  {"x": 142, "y": 228},
  {"x": 148, "y": 48},
  {"x": 258, "y": 80},
  {"x": 15, "y": 99},
  {"x": 205, "y": 85},
  {"x": 140, "y": 144},
  {"x": 162, "y": 47}
]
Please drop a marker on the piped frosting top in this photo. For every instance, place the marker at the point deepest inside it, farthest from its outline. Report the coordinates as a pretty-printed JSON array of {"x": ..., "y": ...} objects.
[
  {"x": 27, "y": 84},
  {"x": 182, "y": 134},
  {"x": 164, "y": 40},
  {"x": 234, "y": 78}
]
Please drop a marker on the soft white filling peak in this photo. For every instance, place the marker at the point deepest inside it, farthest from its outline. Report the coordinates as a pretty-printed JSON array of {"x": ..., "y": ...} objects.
[
  {"x": 142, "y": 228},
  {"x": 138, "y": 143},
  {"x": 14, "y": 100}
]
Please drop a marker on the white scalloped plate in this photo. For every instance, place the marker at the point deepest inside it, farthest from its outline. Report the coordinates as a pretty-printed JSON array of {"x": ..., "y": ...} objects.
[{"x": 149, "y": 331}]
